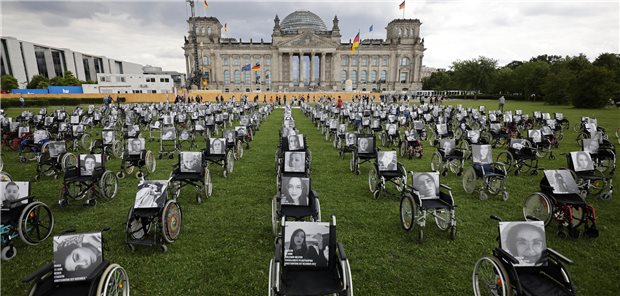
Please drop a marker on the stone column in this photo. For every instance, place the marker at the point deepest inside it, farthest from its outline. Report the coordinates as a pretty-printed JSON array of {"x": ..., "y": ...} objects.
[
  {"x": 302, "y": 69},
  {"x": 290, "y": 72},
  {"x": 278, "y": 68},
  {"x": 322, "y": 69},
  {"x": 311, "y": 68}
]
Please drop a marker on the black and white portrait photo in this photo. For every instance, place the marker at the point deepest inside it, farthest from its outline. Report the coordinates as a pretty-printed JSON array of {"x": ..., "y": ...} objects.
[
  {"x": 167, "y": 120},
  {"x": 168, "y": 133},
  {"x": 151, "y": 194},
  {"x": 342, "y": 128},
  {"x": 49, "y": 120},
  {"x": 365, "y": 145},
  {"x": 62, "y": 127},
  {"x": 78, "y": 130},
  {"x": 184, "y": 135},
  {"x": 40, "y": 136},
  {"x": 133, "y": 130},
  {"x": 387, "y": 161},
  {"x": 75, "y": 119},
  {"x": 23, "y": 130},
  {"x": 155, "y": 124},
  {"x": 294, "y": 191},
  {"x": 418, "y": 125},
  {"x": 11, "y": 191},
  {"x": 391, "y": 129},
  {"x": 590, "y": 145},
  {"x": 219, "y": 117},
  {"x": 295, "y": 142},
  {"x": 135, "y": 145},
  {"x": 582, "y": 161},
  {"x": 561, "y": 181},
  {"x": 241, "y": 130},
  {"x": 88, "y": 163},
  {"x": 525, "y": 241},
  {"x": 351, "y": 139},
  {"x": 294, "y": 162},
  {"x": 199, "y": 125},
  {"x": 56, "y": 148},
  {"x": 534, "y": 135},
  {"x": 447, "y": 145},
  {"x": 76, "y": 256},
  {"x": 107, "y": 137},
  {"x": 442, "y": 129},
  {"x": 217, "y": 146},
  {"x": 191, "y": 162},
  {"x": 426, "y": 184},
  {"x": 306, "y": 244},
  {"x": 518, "y": 144},
  {"x": 482, "y": 154},
  {"x": 229, "y": 135},
  {"x": 210, "y": 120}
]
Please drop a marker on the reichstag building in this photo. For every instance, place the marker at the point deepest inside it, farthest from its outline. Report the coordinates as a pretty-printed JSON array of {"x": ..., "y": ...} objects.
[{"x": 304, "y": 55}]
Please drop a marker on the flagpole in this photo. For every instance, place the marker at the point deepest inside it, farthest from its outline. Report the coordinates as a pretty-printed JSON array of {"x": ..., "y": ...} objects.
[{"x": 359, "y": 61}]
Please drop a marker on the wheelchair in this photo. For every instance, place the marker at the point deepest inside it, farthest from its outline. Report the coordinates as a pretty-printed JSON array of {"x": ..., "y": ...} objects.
[
  {"x": 296, "y": 163},
  {"x": 88, "y": 178},
  {"x": 54, "y": 159},
  {"x": 448, "y": 157},
  {"x": 107, "y": 145},
  {"x": 365, "y": 151},
  {"x": 97, "y": 278},
  {"x": 153, "y": 220},
  {"x": 294, "y": 200},
  {"x": 191, "y": 170},
  {"x": 321, "y": 268},
  {"x": 137, "y": 158},
  {"x": 559, "y": 199},
  {"x": 30, "y": 147},
  {"x": 603, "y": 153},
  {"x": 492, "y": 174},
  {"x": 218, "y": 153},
  {"x": 30, "y": 220},
  {"x": 168, "y": 142},
  {"x": 385, "y": 169},
  {"x": 589, "y": 180},
  {"x": 521, "y": 156},
  {"x": 503, "y": 273},
  {"x": 426, "y": 196},
  {"x": 349, "y": 144},
  {"x": 390, "y": 136},
  {"x": 411, "y": 145}
]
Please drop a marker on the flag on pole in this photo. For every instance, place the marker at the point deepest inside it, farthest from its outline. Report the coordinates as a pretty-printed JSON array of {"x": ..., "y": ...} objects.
[
  {"x": 225, "y": 27},
  {"x": 205, "y": 4},
  {"x": 246, "y": 68},
  {"x": 356, "y": 42},
  {"x": 402, "y": 5},
  {"x": 370, "y": 29},
  {"x": 256, "y": 67}
]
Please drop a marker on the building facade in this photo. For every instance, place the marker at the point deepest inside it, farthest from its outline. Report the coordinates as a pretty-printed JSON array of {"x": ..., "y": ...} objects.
[
  {"x": 131, "y": 83},
  {"x": 23, "y": 59},
  {"x": 303, "y": 55}
]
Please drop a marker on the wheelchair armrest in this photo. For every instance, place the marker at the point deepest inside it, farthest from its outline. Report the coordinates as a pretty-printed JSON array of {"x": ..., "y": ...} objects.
[
  {"x": 12, "y": 203},
  {"x": 341, "y": 254},
  {"x": 278, "y": 253},
  {"x": 446, "y": 186},
  {"x": 315, "y": 194},
  {"x": 43, "y": 270},
  {"x": 558, "y": 256},
  {"x": 507, "y": 256}
]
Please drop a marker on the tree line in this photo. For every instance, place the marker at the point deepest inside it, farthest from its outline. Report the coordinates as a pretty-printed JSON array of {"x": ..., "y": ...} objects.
[
  {"x": 39, "y": 81},
  {"x": 549, "y": 78}
]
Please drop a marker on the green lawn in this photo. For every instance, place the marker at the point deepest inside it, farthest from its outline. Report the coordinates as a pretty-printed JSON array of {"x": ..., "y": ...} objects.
[{"x": 226, "y": 242}]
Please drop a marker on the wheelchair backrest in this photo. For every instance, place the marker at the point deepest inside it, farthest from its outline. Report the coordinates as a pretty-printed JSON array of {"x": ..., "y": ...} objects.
[
  {"x": 447, "y": 145},
  {"x": 524, "y": 240},
  {"x": 534, "y": 135},
  {"x": 78, "y": 130},
  {"x": 366, "y": 144},
  {"x": 561, "y": 181},
  {"x": 387, "y": 161},
  {"x": 590, "y": 145},
  {"x": 12, "y": 191},
  {"x": 482, "y": 154},
  {"x": 41, "y": 135},
  {"x": 546, "y": 131},
  {"x": 580, "y": 161},
  {"x": 295, "y": 191},
  {"x": 351, "y": 139},
  {"x": 518, "y": 144},
  {"x": 308, "y": 245},
  {"x": 473, "y": 135},
  {"x": 190, "y": 162},
  {"x": 442, "y": 129},
  {"x": 391, "y": 128},
  {"x": 56, "y": 148},
  {"x": 418, "y": 124},
  {"x": 107, "y": 137},
  {"x": 294, "y": 162},
  {"x": 426, "y": 184},
  {"x": 151, "y": 194},
  {"x": 88, "y": 163},
  {"x": 75, "y": 119},
  {"x": 77, "y": 256},
  {"x": 168, "y": 133},
  {"x": 294, "y": 142},
  {"x": 23, "y": 130},
  {"x": 135, "y": 146},
  {"x": 216, "y": 146}
]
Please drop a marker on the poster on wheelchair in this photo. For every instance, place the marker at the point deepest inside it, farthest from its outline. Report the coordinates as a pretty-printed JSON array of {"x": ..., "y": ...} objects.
[
  {"x": 482, "y": 154},
  {"x": 11, "y": 191},
  {"x": 168, "y": 134},
  {"x": 76, "y": 256},
  {"x": 191, "y": 162},
  {"x": 295, "y": 191},
  {"x": 295, "y": 142},
  {"x": 351, "y": 139},
  {"x": 135, "y": 145},
  {"x": 561, "y": 181},
  {"x": 525, "y": 241},
  {"x": 151, "y": 194},
  {"x": 387, "y": 161},
  {"x": 306, "y": 244},
  {"x": 294, "y": 162},
  {"x": 582, "y": 161},
  {"x": 88, "y": 163},
  {"x": 365, "y": 145},
  {"x": 216, "y": 146},
  {"x": 56, "y": 148},
  {"x": 426, "y": 184}
]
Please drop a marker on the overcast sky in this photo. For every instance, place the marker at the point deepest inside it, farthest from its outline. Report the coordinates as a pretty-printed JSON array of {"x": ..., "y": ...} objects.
[{"x": 147, "y": 32}]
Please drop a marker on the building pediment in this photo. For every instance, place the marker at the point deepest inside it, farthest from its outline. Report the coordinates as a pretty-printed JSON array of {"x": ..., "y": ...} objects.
[{"x": 307, "y": 40}]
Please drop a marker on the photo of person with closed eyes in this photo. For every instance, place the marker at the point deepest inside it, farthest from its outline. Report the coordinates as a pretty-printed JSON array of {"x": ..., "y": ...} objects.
[
  {"x": 295, "y": 191},
  {"x": 427, "y": 184},
  {"x": 151, "y": 194},
  {"x": 76, "y": 256},
  {"x": 294, "y": 162},
  {"x": 524, "y": 240},
  {"x": 307, "y": 244}
]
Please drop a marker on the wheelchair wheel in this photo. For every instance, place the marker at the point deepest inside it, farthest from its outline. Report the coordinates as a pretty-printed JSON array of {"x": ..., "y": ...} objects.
[
  {"x": 230, "y": 162},
  {"x": 490, "y": 278},
  {"x": 598, "y": 185},
  {"x": 114, "y": 281},
  {"x": 437, "y": 162},
  {"x": 373, "y": 179},
  {"x": 455, "y": 165},
  {"x": 208, "y": 184},
  {"x": 5, "y": 177},
  {"x": 542, "y": 152},
  {"x": 150, "y": 162},
  {"x": 539, "y": 207},
  {"x": 469, "y": 180},
  {"x": 458, "y": 133},
  {"x": 506, "y": 158},
  {"x": 495, "y": 185},
  {"x": 442, "y": 218},
  {"x": 401, "y": 181},
  {"x": 607, "y": 165},
  {"x": 352, "y": 162},
  {"x": 384, "y": 140},
  {"x": 466, "y": 148},
  {"x": 408, "y": 212},
  {"x": 134, "y": 227},
  {"x": 402, "y": 148},
  {"x": 68, "y": 160},
  {"x": 239, "y": 149},
  {"x": 275, "y": 219},
  {"x": 85, "y": 140},
  {"x": 8, "y": 253},
  {"x": 117, "y": 149},
  {"x": 109, "y": 184},
  {"x": 35, "y": 223},
  {"x": 171, "y": 220},
  {"x": 272, "y": 278},
  {"x": 318, "y": 210}
]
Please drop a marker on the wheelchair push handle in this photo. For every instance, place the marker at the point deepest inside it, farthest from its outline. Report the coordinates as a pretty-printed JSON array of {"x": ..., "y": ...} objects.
[
  {"x": 66, "y": 232},
  {"x": 104, "y": 229},
  {"x": 532, "y": 218},
  {"x": 494, "y": 217}
]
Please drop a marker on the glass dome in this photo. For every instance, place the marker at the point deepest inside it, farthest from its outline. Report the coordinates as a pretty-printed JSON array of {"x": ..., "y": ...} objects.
[{"x": 302, "y": 21}]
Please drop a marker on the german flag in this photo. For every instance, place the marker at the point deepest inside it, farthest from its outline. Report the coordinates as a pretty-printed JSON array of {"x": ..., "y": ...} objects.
[
  {"x": 401, "y": 6},
  {"x": 356, "y": 42},
  {"x": 256, "y": 67}
]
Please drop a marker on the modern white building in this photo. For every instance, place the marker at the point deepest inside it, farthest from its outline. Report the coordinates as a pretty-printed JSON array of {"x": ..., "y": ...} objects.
[
  {"x": 131, "y": 83},
  {"x": 23, "y": 59}
]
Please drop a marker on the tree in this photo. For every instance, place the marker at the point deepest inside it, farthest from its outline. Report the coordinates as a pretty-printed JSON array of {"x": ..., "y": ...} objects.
[
  {"x": 504, "y": 81},
  {"x": 38, "y": 81},
  {"x": 549, "y": 59},
  {"x": 556, "y": 86},
  {"x": 70, "y": 79},
  {"x": 441, "y": 80},
  {"x": 529, "y": 77},
  {"x": 474, "y": 74},
  {"x": 594, "y": 88},
  {"x": 58, "y": 81},
  {"x": 514, "y": 64},
  {"x": 611, "y": 62},
  {"x": 8, "y": 83}
]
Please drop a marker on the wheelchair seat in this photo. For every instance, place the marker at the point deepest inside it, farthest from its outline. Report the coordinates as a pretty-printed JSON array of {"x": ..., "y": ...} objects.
[
  {"x": 443, "y": 202},
  {"x": 537, "y": 282},
  {"x": 73, "y": 175},
  {"x": 487, "y": 170},
  {"x": 301, "y": 211},
  {"x": 47, "y": 287},
  {"x": 312, "y": 282}
]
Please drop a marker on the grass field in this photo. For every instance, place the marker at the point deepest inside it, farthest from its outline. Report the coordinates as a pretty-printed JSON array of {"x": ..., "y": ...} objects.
[{"x": 226, "y": 242}]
